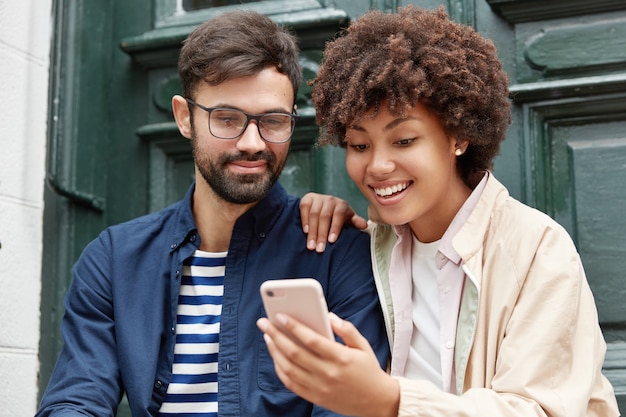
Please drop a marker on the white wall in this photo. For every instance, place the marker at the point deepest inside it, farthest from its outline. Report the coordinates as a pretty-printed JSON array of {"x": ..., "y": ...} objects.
[{"x": 24, "y": 59}]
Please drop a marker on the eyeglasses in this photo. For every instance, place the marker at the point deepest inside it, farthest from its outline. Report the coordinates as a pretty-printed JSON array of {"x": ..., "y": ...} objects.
[{"x": 225, "y": 123}]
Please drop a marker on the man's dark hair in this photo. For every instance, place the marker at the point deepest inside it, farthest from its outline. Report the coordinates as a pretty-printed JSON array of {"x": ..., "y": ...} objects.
[
  {"x": 237, "y": 44},
  {"x": 416, "y": 56}
]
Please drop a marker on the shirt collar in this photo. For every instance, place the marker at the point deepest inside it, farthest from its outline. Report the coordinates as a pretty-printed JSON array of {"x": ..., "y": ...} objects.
[
  {"x": 261, "y": 217},
  {"x": 446, "y": 247}
]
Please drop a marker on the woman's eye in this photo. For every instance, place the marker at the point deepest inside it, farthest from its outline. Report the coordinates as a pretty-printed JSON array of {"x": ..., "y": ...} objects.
[
  {"x": 358, "y": 147},
  {"x": 405, "y": 141}
]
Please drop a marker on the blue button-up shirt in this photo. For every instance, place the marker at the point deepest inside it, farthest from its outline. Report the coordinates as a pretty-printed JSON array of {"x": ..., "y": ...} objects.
[{"x": 120, "y": 310}]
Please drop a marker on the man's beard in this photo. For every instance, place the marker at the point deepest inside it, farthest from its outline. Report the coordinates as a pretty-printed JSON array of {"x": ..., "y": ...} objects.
[{"x": 238, "y": 188}]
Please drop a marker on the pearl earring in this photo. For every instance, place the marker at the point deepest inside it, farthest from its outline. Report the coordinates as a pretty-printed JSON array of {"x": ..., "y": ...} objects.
[{"x": 458, "y": 152}]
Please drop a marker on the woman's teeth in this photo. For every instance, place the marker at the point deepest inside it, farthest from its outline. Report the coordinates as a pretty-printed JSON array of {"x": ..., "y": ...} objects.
[{"x": 387, "y": 191}]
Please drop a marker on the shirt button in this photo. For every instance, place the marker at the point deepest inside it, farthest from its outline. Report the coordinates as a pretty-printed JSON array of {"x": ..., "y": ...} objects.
[
  {"x": 262, "y": 235},
  {"x": 193, "y": 238},
  {"x": 173, "y": 246},
  {"x": 449, "y": 345},
  {"x": 158, "y": 384},
  {"x": 446, "y": 290},
  {"x": 173, "y": 330}
]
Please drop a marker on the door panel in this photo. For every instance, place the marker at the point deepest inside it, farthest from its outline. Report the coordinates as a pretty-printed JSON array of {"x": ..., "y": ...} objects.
[{"x": 598, "y": 204}]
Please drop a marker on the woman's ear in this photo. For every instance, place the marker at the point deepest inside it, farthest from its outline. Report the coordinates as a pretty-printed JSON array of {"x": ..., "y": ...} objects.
[
  {"x": 180, "y": 108},
  {"x": 460, "y": 147}
]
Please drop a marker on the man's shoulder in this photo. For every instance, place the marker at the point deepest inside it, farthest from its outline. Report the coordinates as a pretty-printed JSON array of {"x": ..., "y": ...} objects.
[
  {"x": 287, "y": 222},
  {"x": 348, "y": 231},
  {"x": 150, "y": 220}
]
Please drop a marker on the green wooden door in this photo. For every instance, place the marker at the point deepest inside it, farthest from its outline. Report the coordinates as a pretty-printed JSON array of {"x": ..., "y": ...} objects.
[
  {"x": 567, "y": 61},
  {"x": 115, "y": 153}
]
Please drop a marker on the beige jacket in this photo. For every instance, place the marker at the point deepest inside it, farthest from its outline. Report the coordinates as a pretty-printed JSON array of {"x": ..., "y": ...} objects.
[{"x": 528, "y": 340}]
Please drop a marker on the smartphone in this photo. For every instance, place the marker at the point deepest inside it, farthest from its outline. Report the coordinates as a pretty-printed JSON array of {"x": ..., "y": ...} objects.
[{"x": 301, "y": 298}]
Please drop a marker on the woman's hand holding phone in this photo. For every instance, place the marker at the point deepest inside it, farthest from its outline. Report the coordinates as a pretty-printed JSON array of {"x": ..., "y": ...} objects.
[{"x": 345, "y": 378}]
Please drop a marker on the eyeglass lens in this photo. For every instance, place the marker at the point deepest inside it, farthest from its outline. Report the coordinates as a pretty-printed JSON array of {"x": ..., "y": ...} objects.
[{"x": 230, "y": 123}]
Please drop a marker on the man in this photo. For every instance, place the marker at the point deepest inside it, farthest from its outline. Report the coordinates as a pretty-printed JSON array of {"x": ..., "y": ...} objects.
[{"x": 163, "y": 308}]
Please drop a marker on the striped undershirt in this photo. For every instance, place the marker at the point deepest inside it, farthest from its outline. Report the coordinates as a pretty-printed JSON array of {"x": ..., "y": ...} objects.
[{"x": 193, "y": 389}]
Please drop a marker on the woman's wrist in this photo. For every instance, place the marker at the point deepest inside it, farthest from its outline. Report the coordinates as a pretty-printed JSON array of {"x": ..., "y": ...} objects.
[{"x": 389, "y": 399}]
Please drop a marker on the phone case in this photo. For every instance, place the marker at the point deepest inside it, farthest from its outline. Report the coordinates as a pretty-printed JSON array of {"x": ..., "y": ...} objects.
[{"x": 301, "y": 298}]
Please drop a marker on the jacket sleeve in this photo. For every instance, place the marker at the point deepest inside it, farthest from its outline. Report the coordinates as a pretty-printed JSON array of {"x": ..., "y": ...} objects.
[
  {"x": 352, "y": 294},
  {"x": 86, "y": 378},
  {"x": 548, "y": 358}
]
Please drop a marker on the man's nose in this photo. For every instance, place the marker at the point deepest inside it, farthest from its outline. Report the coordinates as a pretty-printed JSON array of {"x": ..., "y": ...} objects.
[{"x": 251, "y": 140}]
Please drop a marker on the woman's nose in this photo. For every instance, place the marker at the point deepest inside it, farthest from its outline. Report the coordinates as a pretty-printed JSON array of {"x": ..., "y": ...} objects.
[{"x": 380, "y": 163}]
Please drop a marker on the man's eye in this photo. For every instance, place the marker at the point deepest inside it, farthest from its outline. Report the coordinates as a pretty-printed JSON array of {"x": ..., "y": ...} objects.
[
  {"x": 358, "y": 147},
  {"x": 275, "y": 122},
  {"x": 226, "y": 118}
]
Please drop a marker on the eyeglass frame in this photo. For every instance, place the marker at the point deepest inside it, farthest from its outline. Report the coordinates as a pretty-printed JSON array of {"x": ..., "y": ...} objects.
[{"x": 249, "y": 116}]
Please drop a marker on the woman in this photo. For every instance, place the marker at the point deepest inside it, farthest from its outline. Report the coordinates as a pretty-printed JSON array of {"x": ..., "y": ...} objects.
[{"x": 486, "y": 302}]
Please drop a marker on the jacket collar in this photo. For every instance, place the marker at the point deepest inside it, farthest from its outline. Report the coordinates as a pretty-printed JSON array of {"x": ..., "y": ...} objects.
[{"x": 185, "y": 226}]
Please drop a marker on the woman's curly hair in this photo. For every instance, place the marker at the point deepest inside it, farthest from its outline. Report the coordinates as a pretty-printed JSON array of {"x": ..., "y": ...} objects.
[{"x": 415, "y": 56}]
